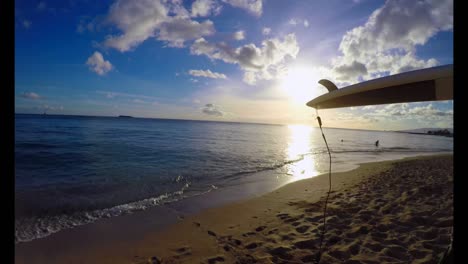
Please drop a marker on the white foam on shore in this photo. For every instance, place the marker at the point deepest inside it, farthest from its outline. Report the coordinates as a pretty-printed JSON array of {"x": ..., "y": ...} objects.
[{"x": 38, "y": 227}]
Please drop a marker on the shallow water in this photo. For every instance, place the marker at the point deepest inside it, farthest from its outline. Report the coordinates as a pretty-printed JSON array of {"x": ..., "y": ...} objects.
[{"x": 74, "y": 170}]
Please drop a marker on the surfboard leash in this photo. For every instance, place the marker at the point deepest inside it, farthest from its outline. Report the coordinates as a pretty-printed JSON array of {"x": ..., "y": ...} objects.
[{"x": 322, "y": 236}]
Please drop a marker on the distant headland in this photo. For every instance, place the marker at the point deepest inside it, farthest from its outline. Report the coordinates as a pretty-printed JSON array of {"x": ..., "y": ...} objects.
[
  {"x": 125, "y": 116},
  {"x": 447, "y": 132}
]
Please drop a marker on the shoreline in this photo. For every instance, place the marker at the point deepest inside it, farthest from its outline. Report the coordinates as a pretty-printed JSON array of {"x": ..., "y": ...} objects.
[{"x": 188, "y": 240}]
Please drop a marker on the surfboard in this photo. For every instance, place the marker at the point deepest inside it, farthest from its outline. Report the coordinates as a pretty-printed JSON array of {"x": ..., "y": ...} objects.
[{"x": 431, "y": 84}]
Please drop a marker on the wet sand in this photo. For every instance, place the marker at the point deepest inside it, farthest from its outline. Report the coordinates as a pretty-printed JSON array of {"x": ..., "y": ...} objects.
[{"x": 383, "y": 212}]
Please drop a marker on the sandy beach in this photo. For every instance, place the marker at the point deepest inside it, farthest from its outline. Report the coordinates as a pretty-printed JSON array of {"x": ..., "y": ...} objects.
[{"x": 383, "y": 212}]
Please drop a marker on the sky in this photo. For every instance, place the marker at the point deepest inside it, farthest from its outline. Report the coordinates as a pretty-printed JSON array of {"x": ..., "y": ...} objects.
[{"x": 227, "y": 60}]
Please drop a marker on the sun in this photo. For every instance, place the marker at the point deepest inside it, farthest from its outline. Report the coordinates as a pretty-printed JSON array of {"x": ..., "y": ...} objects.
[{"x": 300, "y": 84}]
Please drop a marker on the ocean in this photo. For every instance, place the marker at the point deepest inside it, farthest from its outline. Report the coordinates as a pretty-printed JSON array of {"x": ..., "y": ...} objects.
[{"x": 75, "y": 170}]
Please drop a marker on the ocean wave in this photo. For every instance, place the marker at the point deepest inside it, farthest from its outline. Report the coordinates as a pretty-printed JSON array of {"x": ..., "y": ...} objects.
[{"x": 28, "y": 229}]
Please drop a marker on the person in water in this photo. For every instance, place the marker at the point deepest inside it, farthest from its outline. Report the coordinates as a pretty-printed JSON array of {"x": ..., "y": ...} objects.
[{"x": 377, "y": 143}]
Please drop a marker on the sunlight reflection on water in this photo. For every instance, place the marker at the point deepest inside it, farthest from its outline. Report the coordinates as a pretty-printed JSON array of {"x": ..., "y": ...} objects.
[{"x": 299, "y": 143}]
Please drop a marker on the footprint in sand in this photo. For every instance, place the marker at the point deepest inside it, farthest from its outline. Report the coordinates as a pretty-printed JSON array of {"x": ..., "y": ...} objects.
[
  {"x": 286, "y": 237},
  {"x": 339, "y": 254},
  {"x": 397, "y": 252},
  {"x": 154, "y": 260},
  {"x": 375, "y": 247},
  {"x": 248, "y": 234},
  {"x": 314, "y": 219},
  {"x": 309, "y": 259},
  {"x": 272, "y": 231},
  {"x": 260, "y": 228},
  {"x": 307, "y": 244},
  {"x": 236, "y": 242},
  {"x": 302, "y": 229},
  {"x": 296, "y": 223},
  {"x": 281, "y": 252},
  {"x": 213, "y": 260},
  {"x": 252, "y": 245},
  {"x": 184, "y": 251}
]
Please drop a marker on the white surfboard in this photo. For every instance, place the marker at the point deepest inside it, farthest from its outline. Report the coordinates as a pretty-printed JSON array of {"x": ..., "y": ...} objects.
[{"x": 431, "y": 84}]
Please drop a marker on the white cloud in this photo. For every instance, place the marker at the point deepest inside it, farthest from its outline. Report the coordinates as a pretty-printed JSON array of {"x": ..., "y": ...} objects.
[
  {"x": 42, "y": 6},
  {"x": 85, "y": 25},
  {"x": 293, "y": 22},
  {"x": 349, "y": 71},
  {"x": 203, "y": 8},
  {"x": 207, "y": 74},
  {"x": 110, "y": 95},
  {"x": 258, "y": 63},
  {"x": 211, "y": 109},
  {"x": 178, "y": 30},
  {"x": 167, "y": 21},
  {"x": 48, "y": 107},
  {"x": 30, "y": 95},
  {"x": 26, "y": 23},
  {"x": 97, "y": 64},
  {"x": 254, "y": 7},
  {"x": 138, "y": 101},
  {"x": 266, "y": 31},
  {"x": 429, "y": 111},
  {"x": 239, "y": 35},
  {"x": 387, "y": 42},
  {"x": 424, "y": 113}
]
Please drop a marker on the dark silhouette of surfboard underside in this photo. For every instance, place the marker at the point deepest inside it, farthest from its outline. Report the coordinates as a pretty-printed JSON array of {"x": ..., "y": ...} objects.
[{"x": 431, "y": 84}]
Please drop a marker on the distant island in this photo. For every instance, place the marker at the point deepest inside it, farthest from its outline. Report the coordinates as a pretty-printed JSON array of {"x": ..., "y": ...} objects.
[
  {"x": 125, "y": 116},
  {"x": 447, "y": 132}
]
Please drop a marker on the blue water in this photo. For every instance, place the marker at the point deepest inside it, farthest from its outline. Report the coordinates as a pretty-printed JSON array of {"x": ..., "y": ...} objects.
[{"x": 73, "y": 170}]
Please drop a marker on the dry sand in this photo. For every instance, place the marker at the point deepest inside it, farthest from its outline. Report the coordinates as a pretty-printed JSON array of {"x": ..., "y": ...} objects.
[
  {"x": 385, "y": 212},
  {"x": 382, "y": 212}
]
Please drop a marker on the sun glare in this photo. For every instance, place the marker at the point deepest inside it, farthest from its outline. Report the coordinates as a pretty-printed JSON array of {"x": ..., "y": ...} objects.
[
  {"x": 300, "y": 84},
  {"x": 298, "y": 149}
]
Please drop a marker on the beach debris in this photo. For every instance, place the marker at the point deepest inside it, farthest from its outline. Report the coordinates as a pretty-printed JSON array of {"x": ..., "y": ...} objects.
[{"x": 211, "y": 233}]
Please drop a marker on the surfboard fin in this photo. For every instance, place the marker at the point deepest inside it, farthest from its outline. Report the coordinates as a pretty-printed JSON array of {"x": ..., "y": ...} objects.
[{"x": 328, "y": 84}]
